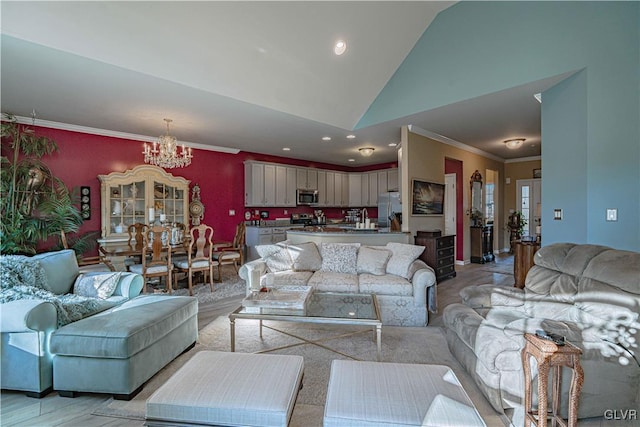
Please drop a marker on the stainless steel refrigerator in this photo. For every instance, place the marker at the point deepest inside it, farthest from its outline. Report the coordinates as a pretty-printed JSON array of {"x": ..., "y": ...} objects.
[{"x": 388, "y": 204}]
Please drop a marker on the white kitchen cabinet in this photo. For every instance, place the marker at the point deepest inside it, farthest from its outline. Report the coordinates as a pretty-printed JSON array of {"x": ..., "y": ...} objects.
[
  {"x": 355, "y": 190},
  {"x": 341, "y": 189},
  {"x": 255, "y": 236},
  {"x": 392, "y": 180},
  {"x": 374, "y": 187},
  {"x": 260, "y": 184},
  {"x": 331, "y": 189},
  {"x": 322, "y": 188},
  {"x": 307, "y": 178},
  {"x": 285, "y": 186}
]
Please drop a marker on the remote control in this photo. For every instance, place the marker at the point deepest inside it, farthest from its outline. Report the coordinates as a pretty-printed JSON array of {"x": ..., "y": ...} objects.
[{"x": 557, "y": 339}]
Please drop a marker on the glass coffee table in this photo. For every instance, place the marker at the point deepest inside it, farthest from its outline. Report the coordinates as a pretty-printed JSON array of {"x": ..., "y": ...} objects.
[{"x": 321, "y": 308}]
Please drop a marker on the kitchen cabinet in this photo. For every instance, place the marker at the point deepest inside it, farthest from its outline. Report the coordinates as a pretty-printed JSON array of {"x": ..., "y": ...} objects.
[
  {"x": 356, "y": 190},
  {"x": 286, "y": 186},
  {"x": 331, "y": 189},
  {"x": 307, "y": 178},
  {"x": 439, "y": 253},
  {"x": 132, "y": 196},
  {"x": 255, "y": 236},
  {"x": 341, "y": 189},
  {"x": 322, "y": 188},
  {"x": 392, "y": 180},
  {"x": 375, "y": 188},
  {"x": 260, "y": 184}
]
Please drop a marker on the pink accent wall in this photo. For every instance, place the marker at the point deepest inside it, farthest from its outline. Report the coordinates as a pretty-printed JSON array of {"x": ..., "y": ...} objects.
[{"x": 82, "y": 157}]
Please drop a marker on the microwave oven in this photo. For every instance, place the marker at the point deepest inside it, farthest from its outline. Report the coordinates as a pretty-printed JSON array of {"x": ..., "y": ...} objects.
[{"x": 307, "y": 197}]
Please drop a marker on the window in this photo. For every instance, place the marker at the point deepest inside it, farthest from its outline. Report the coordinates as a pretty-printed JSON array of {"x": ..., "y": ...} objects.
[{"x": 489, "y": 204}]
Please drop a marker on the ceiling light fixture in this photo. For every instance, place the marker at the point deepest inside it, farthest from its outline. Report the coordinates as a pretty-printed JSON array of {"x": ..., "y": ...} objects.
[
  {"x": 514, "y": 143},
  {"x": 286, "y": 149},
  {"x": 351, "y": 160},
  {"x": 366, "y": 151},
  {"x": 393, "y": 144},
  {"x": 164, "y": 152},
  {"x": 351, "y": 136},
  {"x": 340, "y": 47},
  {"x": 326, "y": 138}
]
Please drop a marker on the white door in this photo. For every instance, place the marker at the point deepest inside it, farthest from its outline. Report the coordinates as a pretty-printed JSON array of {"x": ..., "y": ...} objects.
[
  {"x": 450, "y": 204},
  {"x": 529, "y": 199}
]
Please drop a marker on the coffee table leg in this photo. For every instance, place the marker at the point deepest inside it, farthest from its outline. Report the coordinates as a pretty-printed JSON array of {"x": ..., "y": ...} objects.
[
  {"x": 379, "y": 341},
  {"x": 260, "y": 328},
  {"x": 232, "y": 324}
]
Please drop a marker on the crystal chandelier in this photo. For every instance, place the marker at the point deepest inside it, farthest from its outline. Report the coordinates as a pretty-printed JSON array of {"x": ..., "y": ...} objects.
[{"x": 164, "y": 153}]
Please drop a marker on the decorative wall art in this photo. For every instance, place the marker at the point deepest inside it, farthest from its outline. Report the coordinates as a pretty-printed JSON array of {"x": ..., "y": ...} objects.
[{"x": 427, "y": 198}]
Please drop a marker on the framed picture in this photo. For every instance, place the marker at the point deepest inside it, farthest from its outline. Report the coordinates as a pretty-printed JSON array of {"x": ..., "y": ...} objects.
[
  {"x": 427, "y": 198},
  {"x": 537, "y": 173}
]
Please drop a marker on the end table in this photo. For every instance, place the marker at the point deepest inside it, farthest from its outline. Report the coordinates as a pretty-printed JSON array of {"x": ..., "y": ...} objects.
[{"x": 549, "y": 355}]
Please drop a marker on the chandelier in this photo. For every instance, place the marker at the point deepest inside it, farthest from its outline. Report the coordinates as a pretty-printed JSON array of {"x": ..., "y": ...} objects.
[{"x": 164, "y": 152}]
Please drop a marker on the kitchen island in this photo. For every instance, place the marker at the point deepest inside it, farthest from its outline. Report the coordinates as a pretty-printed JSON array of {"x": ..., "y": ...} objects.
[{"x": 341, "y": 235}]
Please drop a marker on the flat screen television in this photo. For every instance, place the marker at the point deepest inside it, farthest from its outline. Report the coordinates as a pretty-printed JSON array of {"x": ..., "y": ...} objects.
[{"x": 427, "y": 198}]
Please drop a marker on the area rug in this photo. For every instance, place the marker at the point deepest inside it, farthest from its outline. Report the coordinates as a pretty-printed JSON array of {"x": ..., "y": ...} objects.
[
  {"x": 399, "y": 344},
  {"x": 230, "y": 286}
]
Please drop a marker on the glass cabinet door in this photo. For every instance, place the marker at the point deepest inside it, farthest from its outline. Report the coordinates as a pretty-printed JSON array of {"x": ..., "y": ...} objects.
[{"x": 127, "y": 205}]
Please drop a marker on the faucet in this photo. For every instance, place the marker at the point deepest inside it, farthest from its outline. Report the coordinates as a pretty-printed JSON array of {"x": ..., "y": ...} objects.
[{"x": 365, "y": 214}]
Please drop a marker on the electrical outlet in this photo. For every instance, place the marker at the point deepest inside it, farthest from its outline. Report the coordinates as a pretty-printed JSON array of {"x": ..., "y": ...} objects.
[
  {"x": 557, "y": 214},
  {"x": 232, "y": 212},
  {"x": 286, "y": 212},
  {"x": 612, "y": 214}
]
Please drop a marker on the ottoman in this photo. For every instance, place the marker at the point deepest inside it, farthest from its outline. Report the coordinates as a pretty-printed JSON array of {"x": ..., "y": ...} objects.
[
  {"x": 230, "y": 389},
  {"x": 396, "y": 394},
  {"x": 118, "y": 350}
]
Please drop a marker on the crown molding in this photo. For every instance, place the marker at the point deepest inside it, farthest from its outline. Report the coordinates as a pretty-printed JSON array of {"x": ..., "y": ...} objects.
[
  {"x": 523, "y": 159},
  {"x": 453, "y": 143},
  {"x": 116, "y": 134}
]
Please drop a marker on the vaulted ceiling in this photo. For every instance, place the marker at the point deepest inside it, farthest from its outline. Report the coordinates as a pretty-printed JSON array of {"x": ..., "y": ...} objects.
[{"x": 252, "y": 76}]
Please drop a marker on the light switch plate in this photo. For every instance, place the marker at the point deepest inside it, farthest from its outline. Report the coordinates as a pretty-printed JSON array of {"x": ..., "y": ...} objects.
[
  {"x": 557, "y": 214},
  {"x": 612, "y": 214},
  {"x": 232, "y": 212}
]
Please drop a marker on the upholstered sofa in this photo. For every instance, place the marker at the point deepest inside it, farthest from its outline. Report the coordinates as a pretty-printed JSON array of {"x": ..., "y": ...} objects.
[
  {"x": 404, "y": 285},
  {"x": 56, "y": 322},
  {"x": 589, "y": 294}
]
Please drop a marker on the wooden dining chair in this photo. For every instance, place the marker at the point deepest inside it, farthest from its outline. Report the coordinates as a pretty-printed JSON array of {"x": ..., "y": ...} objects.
[
  {"x": 89, "y": 263},
  {"x": 136, "y": 240},
  {"x": 232, "y": 254},
  {"x": 199, "y": 256},
  {"x": 156, "y": 257}
]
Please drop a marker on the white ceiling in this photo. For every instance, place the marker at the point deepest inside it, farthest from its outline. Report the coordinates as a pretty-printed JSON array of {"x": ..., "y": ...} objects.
[{"x": 253, "y": 76}]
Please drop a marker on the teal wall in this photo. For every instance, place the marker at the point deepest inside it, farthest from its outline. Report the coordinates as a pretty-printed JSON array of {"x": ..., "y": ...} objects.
[{"x": 590, "y": 121}]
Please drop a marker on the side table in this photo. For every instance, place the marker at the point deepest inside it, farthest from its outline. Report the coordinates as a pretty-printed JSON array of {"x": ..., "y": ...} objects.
[
  {"x": 523, "y": 260},
  {"x": 549, "y": 355}
]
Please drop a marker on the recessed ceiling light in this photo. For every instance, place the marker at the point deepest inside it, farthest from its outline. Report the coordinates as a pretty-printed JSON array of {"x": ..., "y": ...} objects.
[
  {"x": 352, "y": 160},
  {"x": 350, "y": 136},
  {"x": 326, "y": 138},
  {"x": 340, "y": 47},
  {"x": 286, "y": 149},
  {"x": 393, "y": 144}
]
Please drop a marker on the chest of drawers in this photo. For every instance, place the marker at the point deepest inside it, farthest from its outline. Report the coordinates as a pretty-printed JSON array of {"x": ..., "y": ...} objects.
[{"x": 439, "y": 254}]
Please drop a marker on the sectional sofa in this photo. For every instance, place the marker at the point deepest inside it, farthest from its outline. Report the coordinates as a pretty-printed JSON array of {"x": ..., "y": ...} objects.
[
  {"x": 405, "y": 286},
  {"x": 589, "y": 294},
  {"x": 89, "y": 332}
]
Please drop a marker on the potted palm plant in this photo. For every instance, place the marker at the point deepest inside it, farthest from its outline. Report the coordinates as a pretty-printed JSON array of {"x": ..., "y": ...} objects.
[{"x": 34, "y": 204}]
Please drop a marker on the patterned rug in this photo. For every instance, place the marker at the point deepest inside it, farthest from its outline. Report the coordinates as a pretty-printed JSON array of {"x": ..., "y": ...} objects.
[
  {"x": 231, "y": 286},
  {"x": 399, "y": 344}
]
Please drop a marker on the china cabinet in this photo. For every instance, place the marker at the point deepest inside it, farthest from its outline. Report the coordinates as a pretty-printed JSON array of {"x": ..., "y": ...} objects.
[{"x": 144, "y": 194}]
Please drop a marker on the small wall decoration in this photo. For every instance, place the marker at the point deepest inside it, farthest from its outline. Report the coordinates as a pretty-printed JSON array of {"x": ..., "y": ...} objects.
[
  {"x": 427, "y": 198},
  {"x": 537, "y": 173},
  {"x": 85, "y": 202}
]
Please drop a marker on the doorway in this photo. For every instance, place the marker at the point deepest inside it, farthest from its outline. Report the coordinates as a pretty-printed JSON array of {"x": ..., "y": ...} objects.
[
  {"x": 453, "y": 168},
  {"x": 529, "y": 202}
]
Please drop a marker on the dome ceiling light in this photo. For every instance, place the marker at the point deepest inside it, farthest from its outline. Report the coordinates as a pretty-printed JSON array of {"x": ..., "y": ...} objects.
[
  {"x": 366, "y": 151},
  {"x": 514, "y": 143},
  {"x": 340, "y": 47}
]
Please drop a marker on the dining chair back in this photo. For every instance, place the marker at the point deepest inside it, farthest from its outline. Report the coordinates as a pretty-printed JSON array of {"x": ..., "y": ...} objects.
[
  {"x": 156, "y": 256},
  {"x": 99, "y": 262},
  {"x": 136, "y": 240},
  {"x": 199, "y": 256},
  {"x": 232, "y": 254}
]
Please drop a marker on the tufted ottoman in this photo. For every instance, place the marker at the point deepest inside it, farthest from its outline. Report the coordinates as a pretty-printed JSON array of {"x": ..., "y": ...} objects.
[
  {"x": 230, "y": 389},
  {"x": 118, "y": 350},
  {"x": 396, "y": 394}
]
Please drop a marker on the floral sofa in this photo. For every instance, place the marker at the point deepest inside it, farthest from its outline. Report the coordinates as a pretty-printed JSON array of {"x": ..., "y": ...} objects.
[
  {"x": 589, "y": 294},
  {"x": 404, "y": 285},
  {"x": 56, "y": 322}
]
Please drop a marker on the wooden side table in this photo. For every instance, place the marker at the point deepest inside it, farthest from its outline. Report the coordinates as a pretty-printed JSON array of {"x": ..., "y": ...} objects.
[
  {"x": 523, "y": 260},
  {"x": 549, "y": 355}
]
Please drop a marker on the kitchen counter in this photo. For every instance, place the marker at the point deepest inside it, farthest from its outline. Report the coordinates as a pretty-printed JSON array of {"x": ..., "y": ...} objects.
[{"x": 329, "y": 234}]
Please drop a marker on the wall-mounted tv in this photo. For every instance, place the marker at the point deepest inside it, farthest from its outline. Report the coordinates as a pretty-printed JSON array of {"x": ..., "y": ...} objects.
[{"x": 427, "y": 198}]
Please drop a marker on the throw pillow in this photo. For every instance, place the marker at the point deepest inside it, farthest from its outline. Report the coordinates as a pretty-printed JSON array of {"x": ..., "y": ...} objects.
[
  {"x": 276, "y": 256},
  {"x": 305, "y": 256},
  {"x": 96, "y": 285},
  {"x": 339, "y": 257},
  {"x": 403, "y": 255},
  {"x": 373, "y": 261}
]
